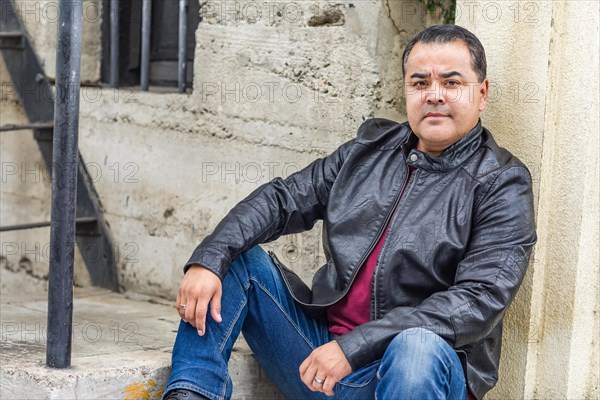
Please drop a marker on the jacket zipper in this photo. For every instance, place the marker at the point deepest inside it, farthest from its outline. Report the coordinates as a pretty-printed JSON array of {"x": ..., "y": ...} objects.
[
  {"x": 403, "y": 194},
  {"x": 373, "y": 244}
]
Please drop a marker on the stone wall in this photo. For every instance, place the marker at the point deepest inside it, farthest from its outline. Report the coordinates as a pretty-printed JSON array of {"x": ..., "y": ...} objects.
[{"x": 276, "y": 85}]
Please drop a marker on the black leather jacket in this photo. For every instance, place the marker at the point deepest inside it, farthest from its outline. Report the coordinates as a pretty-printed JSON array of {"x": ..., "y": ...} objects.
[{"x": 455, "y": 253}]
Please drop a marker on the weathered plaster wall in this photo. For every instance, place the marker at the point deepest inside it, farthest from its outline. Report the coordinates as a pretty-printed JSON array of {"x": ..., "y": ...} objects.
[
  {"x": 571, "y": 225},
  {"x": 24, "y": 198},
  {"x": 543, "y": 68},
  {"x": 40, "y": 18},
  {"x": 25, "y": 182}
]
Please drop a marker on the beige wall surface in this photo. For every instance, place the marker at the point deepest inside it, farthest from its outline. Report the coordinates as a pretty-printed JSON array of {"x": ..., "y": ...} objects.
[{"x": 276, "y": 88}]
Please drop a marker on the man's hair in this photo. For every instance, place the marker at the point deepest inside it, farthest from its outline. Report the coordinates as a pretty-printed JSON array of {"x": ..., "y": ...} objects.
[{"x": 441, "y": 34}]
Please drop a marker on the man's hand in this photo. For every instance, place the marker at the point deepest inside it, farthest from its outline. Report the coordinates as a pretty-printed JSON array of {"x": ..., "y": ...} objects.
[
  {"x": 197, "y": 289},
  {"x": 325, "y": 366}
]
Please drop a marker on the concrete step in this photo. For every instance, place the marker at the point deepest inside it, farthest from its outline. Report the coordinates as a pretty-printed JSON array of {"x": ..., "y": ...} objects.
[{"x": 121, "y": 349}]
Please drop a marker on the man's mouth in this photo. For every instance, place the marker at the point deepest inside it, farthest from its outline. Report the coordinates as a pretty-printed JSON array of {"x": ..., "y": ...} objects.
[{"x": 435, "y": 115}]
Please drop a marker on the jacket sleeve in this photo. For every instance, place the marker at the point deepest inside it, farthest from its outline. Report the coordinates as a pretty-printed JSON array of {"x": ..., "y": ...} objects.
[
  {"x": 486, "y": 282},
  {"x": 279, "y": 207}
]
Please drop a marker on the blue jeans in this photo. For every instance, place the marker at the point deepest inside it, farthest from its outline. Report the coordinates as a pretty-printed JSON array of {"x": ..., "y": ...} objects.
[{"x": 417, "y": 364}]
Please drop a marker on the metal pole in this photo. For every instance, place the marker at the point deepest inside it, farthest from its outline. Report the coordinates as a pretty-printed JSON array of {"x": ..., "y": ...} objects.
[
  {"x": 146, "y": 19},
  {"x": 114, "y": 43},
  {"x": 64, "y": 184},
  {"x": 182, "y": 59}
]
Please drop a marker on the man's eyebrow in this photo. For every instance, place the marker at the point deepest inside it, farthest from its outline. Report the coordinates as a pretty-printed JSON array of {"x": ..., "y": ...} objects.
[
  {"x": 420, "y": 75},
  {"x": 450, "y": 74}
]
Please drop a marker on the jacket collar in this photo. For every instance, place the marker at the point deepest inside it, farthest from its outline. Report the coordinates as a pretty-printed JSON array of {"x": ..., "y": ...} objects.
[{"x": 450, "y": 158}]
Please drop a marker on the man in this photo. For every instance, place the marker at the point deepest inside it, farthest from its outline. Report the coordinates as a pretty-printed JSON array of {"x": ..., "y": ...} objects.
[{"x": 428, "y": 228}]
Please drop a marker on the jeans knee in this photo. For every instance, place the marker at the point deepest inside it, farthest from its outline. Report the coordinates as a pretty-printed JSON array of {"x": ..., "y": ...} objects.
[
  {"x": 418, "y": 360},
  {"x": 416, "y": 348}
]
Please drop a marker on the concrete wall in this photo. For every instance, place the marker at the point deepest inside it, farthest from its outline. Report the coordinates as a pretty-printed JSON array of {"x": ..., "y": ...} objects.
[
  {"x": 279, "y": 85},
  {"x": 40, "y": 18},
  {"x": 25, "y": 182},
  {"x": 543, "y": 68},
  {"x": 276, "y": 85}
]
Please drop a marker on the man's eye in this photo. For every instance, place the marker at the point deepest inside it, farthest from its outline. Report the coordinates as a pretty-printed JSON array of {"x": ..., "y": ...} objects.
[
  {"x": 420, "y": 84},
  {"x": 452, "y": 83}
]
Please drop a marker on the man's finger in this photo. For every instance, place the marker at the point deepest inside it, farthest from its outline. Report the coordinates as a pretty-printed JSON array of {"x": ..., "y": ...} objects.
[
  {"x": 317, "y": 381},
  {"x": 309, "y": 379},
  {"x": 304, "y": 366},
  {"x": 181, "y": 307},
  {"x": 179, "y": 301},
  {"x": 328, "y": 385},
  {"x": 177, "y": 304},
  {"x": 189, "y": 311},
  {"x": 201, "y": 308},
  {"x": 215, "y": 306}
]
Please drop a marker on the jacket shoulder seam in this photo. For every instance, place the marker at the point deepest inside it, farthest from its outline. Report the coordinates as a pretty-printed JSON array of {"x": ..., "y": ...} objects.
[{"x": 499, "y": 173}]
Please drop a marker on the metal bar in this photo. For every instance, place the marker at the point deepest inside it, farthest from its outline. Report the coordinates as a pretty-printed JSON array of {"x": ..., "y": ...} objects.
[
  {"x": 182, "y": 53},
  {"x": 11, "y": 40},
  {"x": 37, "y": 125},
  {"x": 64, "y": 184},
  {"x": 24, "y": 226},
  {"x": 114, "y": 43},
  {"x": 33, "y": 225},
  {"x": 11, "y": 35},
  {"x": 146, "y": 27}
]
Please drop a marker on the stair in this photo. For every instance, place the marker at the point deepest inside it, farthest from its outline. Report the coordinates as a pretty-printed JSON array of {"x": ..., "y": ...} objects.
[{"x": 121, "y": 347}]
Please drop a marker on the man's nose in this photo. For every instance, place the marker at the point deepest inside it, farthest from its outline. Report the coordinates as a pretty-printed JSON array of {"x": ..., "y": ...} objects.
[{"x": 435, "y": 94}]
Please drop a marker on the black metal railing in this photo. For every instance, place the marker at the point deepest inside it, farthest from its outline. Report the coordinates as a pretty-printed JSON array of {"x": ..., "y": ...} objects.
[
  {"x": 76, "y": 211},
  {"x": 114, "y": 43},
  {"x": 182, "y": 51},
  {"x": 146, "y": 29},
  {"x": 64, "y": 183}
]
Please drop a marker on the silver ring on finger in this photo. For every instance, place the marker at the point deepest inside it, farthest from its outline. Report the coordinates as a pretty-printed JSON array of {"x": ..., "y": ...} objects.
[
  {"x": 318, "y": 381},
  {"x": 182, "y": 306}
]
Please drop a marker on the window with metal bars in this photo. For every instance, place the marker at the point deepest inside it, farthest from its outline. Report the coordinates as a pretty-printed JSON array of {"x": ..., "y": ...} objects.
[{"x": 145, "y": 43}]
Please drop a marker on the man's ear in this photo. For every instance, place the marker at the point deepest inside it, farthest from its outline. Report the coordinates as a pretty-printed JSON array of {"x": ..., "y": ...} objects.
[{"x": 484, "y": 90}]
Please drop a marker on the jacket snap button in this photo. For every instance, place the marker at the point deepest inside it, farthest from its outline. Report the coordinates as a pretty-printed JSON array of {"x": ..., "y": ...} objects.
[{"x": 414, "y": 157}]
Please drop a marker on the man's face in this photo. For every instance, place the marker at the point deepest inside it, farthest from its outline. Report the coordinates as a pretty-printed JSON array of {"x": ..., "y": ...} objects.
[{"x": 443, "y": 97}]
